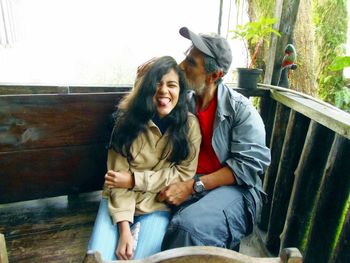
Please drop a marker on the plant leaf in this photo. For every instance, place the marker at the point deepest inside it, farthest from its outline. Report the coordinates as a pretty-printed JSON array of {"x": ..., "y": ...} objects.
[{"x": 340, "y": 63}]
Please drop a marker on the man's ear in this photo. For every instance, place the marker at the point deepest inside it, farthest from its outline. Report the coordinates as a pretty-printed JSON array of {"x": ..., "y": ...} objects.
[{"x": 215, "y": 76}]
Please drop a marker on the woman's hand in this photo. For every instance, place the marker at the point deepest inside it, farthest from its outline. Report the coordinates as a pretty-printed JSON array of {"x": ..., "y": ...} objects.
[
  {"x": 119, "y": 179},
  {"x": 176, "y": 193},
  {"x": 125, "y": 245}
]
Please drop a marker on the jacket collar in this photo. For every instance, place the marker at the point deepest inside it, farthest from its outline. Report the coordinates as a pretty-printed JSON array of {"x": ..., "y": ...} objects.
[{"x": 224, "y": 97}]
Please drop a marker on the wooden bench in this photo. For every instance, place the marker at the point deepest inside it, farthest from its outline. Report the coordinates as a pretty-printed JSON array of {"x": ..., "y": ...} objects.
[
  {"x": 51, "y": 145},
  {"x": 206, "y": 254},
  {"x": 54, "y": 145},
  {"x": 3, "y": 251}
]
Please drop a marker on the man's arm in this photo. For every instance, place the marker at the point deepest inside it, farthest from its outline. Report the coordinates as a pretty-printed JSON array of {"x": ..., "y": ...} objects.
[
  {"x": 177, "y": 193},
  {"x": 223, "y": 176}
]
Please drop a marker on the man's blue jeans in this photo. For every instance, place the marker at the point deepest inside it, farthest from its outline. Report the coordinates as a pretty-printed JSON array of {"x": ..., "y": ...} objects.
[
  {"x": 221, "y": 217},
  {"x": 105, "y": 235}
]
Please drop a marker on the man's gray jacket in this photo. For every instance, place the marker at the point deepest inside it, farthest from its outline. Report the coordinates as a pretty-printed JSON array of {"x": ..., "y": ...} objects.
[{"x": 239, "y": 138}]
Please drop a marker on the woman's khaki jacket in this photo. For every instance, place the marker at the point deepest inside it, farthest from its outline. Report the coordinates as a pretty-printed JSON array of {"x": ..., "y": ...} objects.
[{"x": 151, "y": 171}]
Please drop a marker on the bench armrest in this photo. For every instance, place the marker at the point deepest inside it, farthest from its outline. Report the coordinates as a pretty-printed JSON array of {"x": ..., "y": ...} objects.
[{"x": 3, "y": 251}]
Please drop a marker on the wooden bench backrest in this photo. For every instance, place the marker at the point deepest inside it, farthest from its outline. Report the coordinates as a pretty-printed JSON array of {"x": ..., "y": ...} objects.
[{"x": 53, "y": 144}]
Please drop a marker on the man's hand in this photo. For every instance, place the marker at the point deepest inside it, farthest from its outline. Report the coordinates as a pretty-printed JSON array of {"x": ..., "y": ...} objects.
[
  {"x": 143, "y": 69},
  {"x": 119, "y": 180},
  {"x": 176, "y": 193},
  {"x": 125, "y": 245}
]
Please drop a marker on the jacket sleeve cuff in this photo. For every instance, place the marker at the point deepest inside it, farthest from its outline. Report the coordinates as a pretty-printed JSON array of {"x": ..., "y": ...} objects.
[
  {"x": 122, "y": 216},
  {"x": 140, "y": 181}
]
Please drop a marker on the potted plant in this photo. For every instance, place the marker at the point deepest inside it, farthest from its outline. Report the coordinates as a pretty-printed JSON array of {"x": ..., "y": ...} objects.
[{"x": 254, "y": 34}]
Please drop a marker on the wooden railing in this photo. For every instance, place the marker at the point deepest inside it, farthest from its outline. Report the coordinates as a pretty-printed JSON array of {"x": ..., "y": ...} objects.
[{"x": 307, "y": 183}]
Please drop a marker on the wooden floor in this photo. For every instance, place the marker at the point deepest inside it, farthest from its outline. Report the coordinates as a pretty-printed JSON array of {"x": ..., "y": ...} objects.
[
  {"x": 49, "y": 230},
  {"x": 57, "y": 230}
]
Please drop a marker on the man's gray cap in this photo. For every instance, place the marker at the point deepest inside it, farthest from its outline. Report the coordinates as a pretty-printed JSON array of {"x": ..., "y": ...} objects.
[{"x": 214, "y": 46}]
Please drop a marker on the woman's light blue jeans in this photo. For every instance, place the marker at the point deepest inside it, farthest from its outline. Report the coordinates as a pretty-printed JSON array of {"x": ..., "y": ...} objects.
[{"x": 105, "y": 235}]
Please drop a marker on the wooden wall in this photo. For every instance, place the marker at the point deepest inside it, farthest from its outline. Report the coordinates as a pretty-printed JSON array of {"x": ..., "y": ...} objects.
[{"x": 53, "y": 144}]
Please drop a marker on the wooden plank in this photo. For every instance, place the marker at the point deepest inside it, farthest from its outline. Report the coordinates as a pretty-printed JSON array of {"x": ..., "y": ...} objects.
[
  {"x": 32, "y": 89},
  {"x": 41, "y": 121},
  {"x": 258, "y": 92},
  {"x": 331, "y": 117},
  {"x": 95, "y": 89},
  {"x": 47, "y": 214},
  {"x": 278, "y": 134},
  {"x": 342, "y": 249},
  {"x": 291, "y": 151},
  {"x": 12, "y": 89},
  {"x": 60, "y": 246},
  {"x": 204, "y": 254},
  {"x": 49, "y": 230},
  {"x": 51, "y": 172},
  {"x": 305, "y": 189},
  {"x": 335, "y": 189}
]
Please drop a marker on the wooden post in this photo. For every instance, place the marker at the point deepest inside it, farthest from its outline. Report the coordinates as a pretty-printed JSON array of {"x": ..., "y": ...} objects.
[
  {"x": 273, "y": 44},
  {"x": 342, "y": 249},
  {"x": 279, "y": 129},
  {"x": 292, "y": 147},
  {"x": 220, "y": 16},
  {"x": 334, "y": 194},
  {"x": 267, "y": 112},
  {"x": 305, "y": 189},
  {"x": 286, "y": 15},
  {"x": 286, "y": 28},
  {"x": 3, "y": 251}
]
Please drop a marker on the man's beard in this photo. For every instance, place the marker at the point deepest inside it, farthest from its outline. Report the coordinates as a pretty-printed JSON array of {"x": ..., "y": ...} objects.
[{"x": 198, "y": 88}]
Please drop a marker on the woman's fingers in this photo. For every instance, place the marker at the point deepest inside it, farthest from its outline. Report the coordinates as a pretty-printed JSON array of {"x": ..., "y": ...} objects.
[
  {"x": 125, "y": 248},
  {"x": 121, "y": 252},
  {"x": 129, "y": 253},
  {"x": 119, "y": 179}
]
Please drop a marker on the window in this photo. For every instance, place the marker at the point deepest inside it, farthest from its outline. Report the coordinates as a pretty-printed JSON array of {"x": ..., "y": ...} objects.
[
  {"x": 7, "y": 29},
  {"x": 67, "y": 42}
]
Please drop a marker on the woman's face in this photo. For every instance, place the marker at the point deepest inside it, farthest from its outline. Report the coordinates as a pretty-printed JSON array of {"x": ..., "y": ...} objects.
[{"x": 167, "y": 93}]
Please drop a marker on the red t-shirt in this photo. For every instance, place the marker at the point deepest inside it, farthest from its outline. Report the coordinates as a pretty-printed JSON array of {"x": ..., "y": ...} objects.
[{"x": 208, "y": 161}]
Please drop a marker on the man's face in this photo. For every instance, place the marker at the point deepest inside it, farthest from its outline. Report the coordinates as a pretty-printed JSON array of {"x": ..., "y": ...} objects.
[{"x": 193, "y": 66}]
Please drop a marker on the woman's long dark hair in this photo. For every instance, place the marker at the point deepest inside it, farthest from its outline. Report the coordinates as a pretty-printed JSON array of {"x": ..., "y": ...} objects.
[{"x": 138, "y": 108}]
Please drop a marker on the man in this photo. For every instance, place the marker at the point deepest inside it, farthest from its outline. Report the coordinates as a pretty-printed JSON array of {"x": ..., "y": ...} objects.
[{"x": 218, "y": 206}]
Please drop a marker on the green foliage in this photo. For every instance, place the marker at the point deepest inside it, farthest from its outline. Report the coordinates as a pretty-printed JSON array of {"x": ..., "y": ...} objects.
[
  {"x": 255, "y": 33},
  {"x": 339, "y": 63},
  {"x": 337, "y": 94},
  {"x": 342, "y": 98},
  {"x": 330, "y": 19},
  {"x": 262, "y": 8},
  {"x": 341, "y": 93}
]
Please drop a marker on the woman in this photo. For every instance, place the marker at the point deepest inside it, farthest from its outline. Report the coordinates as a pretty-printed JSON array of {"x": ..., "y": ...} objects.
[{"x": 155, "y": 142}]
